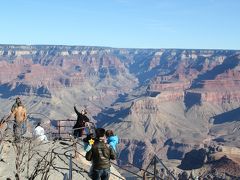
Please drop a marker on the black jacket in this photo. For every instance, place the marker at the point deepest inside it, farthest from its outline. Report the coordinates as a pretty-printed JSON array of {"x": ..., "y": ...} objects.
[
  {"x": 100, "y": 155},
  {"x": 81, "y": 119}
]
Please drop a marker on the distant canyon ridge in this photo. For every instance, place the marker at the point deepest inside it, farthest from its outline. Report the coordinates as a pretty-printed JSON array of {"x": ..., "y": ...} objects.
[{"x": 158, "y": 101}]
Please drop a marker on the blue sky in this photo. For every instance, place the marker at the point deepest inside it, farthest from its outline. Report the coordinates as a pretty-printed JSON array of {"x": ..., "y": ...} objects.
[{"x": 202, "y": 24}]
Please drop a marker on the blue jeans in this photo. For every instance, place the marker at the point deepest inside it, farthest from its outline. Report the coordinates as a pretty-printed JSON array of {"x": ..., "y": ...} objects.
[{"x": 102, "y": 174}]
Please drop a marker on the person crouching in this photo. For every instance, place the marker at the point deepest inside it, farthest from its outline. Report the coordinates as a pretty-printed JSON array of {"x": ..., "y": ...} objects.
[{"x": 39, "y": 133}]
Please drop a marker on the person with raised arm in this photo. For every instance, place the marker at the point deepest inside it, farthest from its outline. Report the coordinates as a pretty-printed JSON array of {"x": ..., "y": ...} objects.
[{"x": 82, "y": 119}]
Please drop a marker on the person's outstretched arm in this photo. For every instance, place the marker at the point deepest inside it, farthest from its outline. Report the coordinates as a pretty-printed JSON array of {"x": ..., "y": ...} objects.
[
  {"x": 9, "y": 116},
  {"x": 86, "y": 119},
  {"x": 76, "y": 111},
  {"x": 13, "y": 107}
]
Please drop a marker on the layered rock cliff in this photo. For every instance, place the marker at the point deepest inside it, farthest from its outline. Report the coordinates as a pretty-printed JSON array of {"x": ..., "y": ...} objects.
[{"x": 150, "y": 97}]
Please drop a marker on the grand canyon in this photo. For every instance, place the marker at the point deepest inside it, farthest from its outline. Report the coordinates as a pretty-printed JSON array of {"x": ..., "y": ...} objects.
[{"x": 163, "y": 102}]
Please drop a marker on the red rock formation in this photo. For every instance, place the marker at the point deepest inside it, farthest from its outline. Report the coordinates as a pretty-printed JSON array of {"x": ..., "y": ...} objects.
[
  {"x": 102, "y": 75},
  {"x": 222, "y": 96},
  {"x": 169, "y": 86},
  {"x": 226, "y": 165}
]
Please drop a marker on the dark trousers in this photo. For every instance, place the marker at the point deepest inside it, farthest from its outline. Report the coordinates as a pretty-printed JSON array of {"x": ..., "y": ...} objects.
[
  {"x": 17, "y": 130},
  {"x": 78, "y": 133},
  {"x": 102, "y": 174}
]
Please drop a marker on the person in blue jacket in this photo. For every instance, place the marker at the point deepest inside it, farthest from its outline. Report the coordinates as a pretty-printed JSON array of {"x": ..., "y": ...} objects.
[{"x": 112, "y": 139}]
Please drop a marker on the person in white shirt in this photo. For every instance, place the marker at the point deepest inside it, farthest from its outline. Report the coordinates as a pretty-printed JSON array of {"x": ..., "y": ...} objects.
[{"x": 39, "y": 133}]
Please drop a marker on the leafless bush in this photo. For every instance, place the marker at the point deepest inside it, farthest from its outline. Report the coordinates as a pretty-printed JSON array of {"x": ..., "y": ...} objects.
[{"x": 27, "y": 156}]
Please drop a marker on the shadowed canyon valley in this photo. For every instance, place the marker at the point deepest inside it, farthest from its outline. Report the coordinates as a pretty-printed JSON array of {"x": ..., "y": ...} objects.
[{"x": 158, "y": 101}]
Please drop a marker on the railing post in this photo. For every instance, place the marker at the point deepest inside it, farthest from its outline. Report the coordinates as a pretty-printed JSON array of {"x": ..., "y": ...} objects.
[
  {"x": 159, "y": 160},
  {"x": 144, "y": 175},
  {"x": 1, "y": 148},
  {"x": 155, "y": 167},
  {"x": 75, "y": 148},
  {"x": 70, "y": 167},
  {"x": 59, "y": 130},
  {"x": 65, "y": 177}
]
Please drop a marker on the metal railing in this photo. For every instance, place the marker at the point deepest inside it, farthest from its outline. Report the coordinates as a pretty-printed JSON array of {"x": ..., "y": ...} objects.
[
  {"x": 144, "y": 172},
  {"x": 63, "y": 131},
  {"x": 155, "y": 160},
  {"x": 68, "y": 176}
]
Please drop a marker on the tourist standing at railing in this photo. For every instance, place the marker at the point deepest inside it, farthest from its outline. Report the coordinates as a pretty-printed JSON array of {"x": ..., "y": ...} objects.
[
  {"x": 82, "y": 119},
  {"x": 100, "y": 155}
]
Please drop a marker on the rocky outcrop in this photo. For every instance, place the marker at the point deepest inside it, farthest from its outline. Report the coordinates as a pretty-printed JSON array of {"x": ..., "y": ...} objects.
[
  {"x": 177, "y": 150},
  {"x": 169, "y": 86},
  {"x": 222, "y": 96},
  {"x": 42, "y": 70},
  {"x": 222, "y": 89},
  {"x": 228, "y": 166},
  {"x": 24, "y": 89},
  {"x": 194, "y": 159},
  {"x": 147, "y": 95},
  {"x": 166, "y": 70},
  {"x": 52, "y": 155}
]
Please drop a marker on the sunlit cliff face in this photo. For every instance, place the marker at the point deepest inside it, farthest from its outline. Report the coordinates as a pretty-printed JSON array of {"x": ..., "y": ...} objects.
[{"x": 149, "y": 97}]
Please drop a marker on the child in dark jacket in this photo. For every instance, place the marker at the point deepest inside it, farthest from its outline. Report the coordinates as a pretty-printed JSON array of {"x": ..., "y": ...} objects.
[
  {"x": 112, "y": 139},
  {"x": 88, "y": 142}
]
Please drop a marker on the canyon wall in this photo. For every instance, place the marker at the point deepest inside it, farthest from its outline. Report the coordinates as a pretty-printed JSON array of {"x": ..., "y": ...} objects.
[{"x": 150, "y": 97}]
